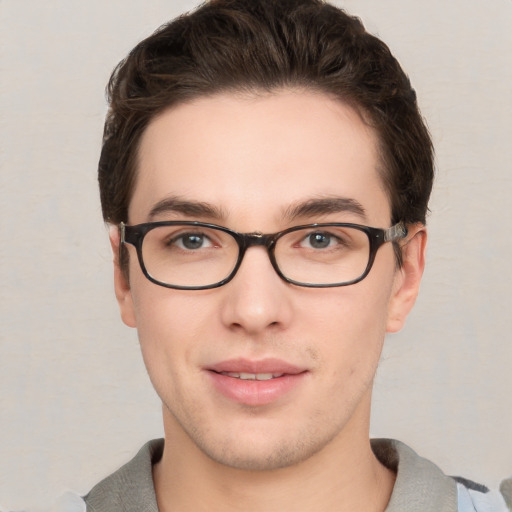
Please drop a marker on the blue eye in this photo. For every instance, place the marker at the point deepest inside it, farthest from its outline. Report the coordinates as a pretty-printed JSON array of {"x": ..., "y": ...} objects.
[
  {"x": 191, "y": 241},
  {"x": 319, "y": 240}
]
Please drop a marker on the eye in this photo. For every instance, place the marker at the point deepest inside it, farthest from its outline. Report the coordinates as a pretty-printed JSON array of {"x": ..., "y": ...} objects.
[
  {"x": 191, "y": 241},
  {"x": 320, "y": 240}
]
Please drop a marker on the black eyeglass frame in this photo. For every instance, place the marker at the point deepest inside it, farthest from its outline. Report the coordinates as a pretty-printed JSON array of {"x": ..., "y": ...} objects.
[{"x": 134, "y": 235}]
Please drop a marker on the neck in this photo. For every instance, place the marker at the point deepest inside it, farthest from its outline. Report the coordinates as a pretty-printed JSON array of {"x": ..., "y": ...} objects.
[{"x": 344, "y": 476}]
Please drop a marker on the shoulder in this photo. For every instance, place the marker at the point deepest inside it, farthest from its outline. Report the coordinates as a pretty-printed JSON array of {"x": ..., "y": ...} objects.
[
  {"x": 130, "y": 488},
  {"x": 421, "y": 486}
]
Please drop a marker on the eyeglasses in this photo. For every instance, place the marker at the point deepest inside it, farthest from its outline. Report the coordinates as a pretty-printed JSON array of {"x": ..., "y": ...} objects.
[{"x": 198, "y": 256}]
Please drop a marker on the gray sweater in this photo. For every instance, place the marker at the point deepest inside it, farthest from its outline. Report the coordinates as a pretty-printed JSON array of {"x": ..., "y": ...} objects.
[{"x": 420, "y": 485}]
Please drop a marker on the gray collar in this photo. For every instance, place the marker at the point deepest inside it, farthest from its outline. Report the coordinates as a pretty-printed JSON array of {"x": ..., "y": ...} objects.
[
  {"x": 420, "y": 485},
  {"x": 130, "y": 488}
]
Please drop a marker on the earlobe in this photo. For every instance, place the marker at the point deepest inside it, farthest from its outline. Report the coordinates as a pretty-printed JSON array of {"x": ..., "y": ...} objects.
[
  {"x": 408, "y": 278},
  {"x": 121, "y": 285}
]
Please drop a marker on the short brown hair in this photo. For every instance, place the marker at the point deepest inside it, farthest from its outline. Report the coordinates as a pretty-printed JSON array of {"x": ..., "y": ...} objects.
[{"x": 254, "y": 45}]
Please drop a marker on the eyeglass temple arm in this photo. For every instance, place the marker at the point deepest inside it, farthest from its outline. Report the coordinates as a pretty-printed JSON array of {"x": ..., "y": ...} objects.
[
  {"x": 122, "y": 231},
  {"x": 395, "y": 232}
]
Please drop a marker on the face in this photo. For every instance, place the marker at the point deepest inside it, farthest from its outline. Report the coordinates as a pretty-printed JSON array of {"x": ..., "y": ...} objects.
[{"x": 254, "y": 161}]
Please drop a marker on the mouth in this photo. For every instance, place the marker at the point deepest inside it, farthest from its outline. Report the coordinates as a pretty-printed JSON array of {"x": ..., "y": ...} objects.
[
  {"x": 256, "y": 383},
  {"x": 252, "y": 376},
  {"x": 263, "y": 369}
]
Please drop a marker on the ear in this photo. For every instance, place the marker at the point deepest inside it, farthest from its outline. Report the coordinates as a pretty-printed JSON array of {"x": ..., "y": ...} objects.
[
  {"x": 407, "y": 278},
  {"x": 121, "y": 284}
]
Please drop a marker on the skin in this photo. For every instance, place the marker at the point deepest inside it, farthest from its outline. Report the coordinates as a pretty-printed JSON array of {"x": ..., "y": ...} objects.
[{"x": 253, "y": 158}]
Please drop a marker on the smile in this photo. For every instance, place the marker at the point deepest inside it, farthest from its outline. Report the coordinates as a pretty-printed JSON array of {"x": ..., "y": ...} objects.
[
  {"x": 253, "y": 376},
  {"x": 256, "y": 383}
]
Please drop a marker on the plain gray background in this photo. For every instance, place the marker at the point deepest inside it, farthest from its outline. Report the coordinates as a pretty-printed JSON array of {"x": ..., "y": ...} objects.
[{"x": 75, "y": 401}]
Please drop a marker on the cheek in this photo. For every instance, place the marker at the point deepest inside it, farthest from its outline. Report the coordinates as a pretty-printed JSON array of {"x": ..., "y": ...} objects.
[
  {"x": 347, "y": 327},
  {"x": 351, "y": 314},
  {"x": 169, "y": 325},
  {"x": 167, "y": 331}
]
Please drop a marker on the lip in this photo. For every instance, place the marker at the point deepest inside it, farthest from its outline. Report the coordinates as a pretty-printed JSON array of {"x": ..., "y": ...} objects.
[
  {"x": 269, "y": 365},
  {"x": 286, "y": 378}
]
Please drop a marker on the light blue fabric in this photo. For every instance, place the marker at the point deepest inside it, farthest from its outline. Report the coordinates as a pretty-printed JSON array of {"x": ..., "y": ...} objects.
[
  {"x": 69, "y": 502},
  {"x": 475, "y": 501}
]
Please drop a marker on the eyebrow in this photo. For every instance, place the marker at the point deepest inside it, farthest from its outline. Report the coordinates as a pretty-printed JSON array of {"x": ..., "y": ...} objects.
[
  {"x": 187, "y": 208},
  {"x": 309, "y": 208},
  {"x": 325, "y": 206}
]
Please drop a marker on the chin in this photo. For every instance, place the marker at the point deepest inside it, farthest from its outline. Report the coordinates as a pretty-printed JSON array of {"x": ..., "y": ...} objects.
[
  {"x": 279, "y": 459},
  {"x": 265, "y": 453}
]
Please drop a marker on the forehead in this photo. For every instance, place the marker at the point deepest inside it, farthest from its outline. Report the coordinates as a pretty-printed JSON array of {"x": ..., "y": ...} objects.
[{"x": 255, "y": 156}]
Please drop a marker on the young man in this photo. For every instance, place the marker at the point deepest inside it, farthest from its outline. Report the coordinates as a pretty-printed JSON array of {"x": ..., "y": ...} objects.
[{"x": 266, "y": 173}]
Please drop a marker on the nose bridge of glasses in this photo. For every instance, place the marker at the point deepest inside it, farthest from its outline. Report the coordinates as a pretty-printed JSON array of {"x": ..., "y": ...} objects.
[{"x": 257, "y": 239}]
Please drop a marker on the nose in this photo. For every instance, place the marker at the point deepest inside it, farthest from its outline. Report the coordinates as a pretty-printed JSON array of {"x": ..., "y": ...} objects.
[{"x": 257, "y": 299}]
